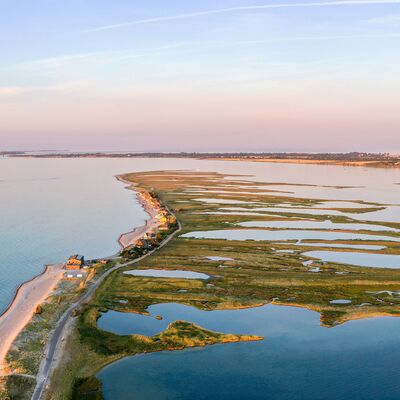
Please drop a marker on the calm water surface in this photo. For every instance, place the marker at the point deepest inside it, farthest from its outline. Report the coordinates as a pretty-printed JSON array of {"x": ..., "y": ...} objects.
[
  {"x": 298, "y": 359},
  {"x": 315, "y": 225},
  {"x": 284, "y": 234},
  {"x": 52, "y": 208},
  {"x": 160, "y": 273},
  {"x": 360, "y": 259}
]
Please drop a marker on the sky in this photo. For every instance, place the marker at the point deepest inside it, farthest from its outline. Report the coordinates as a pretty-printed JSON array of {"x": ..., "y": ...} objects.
[{"x": 186, "y": 75}]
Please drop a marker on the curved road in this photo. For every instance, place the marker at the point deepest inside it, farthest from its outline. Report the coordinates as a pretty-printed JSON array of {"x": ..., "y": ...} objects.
[{"x": 52, "y": 347}]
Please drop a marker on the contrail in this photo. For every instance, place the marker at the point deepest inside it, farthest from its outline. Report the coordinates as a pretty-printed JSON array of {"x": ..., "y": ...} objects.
[{"x": 243, "y": 8}]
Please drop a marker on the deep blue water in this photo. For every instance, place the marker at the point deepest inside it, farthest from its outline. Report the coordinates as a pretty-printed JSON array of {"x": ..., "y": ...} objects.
[{"x": 298, "y": 359}]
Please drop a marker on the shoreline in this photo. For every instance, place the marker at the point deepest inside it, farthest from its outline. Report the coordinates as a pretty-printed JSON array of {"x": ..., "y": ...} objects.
[
  {"x": 19, "y": 312},
  {"x": 34, "y": 292},
  {"x": 343, "y": 163},
  {"x": 129, "y": 238},
  {"x": 18, "y": 288}
]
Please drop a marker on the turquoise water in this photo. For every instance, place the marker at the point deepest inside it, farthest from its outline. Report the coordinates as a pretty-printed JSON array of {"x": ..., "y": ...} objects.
[{"x": 298, "y": 360}]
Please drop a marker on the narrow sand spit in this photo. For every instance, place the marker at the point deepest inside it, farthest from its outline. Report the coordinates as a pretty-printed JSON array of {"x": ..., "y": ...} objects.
[{"x": 19, "y": 313}]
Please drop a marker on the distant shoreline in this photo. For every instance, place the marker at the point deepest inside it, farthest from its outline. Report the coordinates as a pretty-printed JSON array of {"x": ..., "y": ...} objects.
[
  {"x": 356, "y": 159},
  {"x": 371, "y": 163}
]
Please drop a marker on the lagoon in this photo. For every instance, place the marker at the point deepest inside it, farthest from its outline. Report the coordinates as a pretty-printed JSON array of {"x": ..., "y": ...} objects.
[
  {"x": 163, "y": 273},
  {"x": 357, "y": 258},
  {"x": 315, "y": 225},
  {"x": 278, "y": 235},
  {"x": 298, "y": 360}
]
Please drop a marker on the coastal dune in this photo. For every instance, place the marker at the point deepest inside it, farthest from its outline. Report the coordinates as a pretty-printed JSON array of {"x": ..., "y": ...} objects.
[{"x": 19, "y": 313}]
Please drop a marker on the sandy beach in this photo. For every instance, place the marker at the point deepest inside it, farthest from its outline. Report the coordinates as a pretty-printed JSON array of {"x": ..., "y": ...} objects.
[
  {"x": 20, "y": 311},
  {"x": 130, "y": 238}
]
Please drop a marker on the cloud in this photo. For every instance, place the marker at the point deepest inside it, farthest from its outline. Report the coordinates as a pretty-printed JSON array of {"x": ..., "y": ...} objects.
[{"x": 242, "y": 8}]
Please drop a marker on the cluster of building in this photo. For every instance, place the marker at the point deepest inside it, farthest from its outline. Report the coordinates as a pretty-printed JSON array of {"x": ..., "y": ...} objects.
[
  {"x": 165, "y": 221},
  {"x": 74, "y": 266}
]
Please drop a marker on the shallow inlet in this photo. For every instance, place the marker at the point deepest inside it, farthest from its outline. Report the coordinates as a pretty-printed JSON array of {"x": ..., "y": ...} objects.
[
  {"x": 388, "y": 214},
  {"x": 291, "y": 210},
  {"x": 223, "y": 201},
  {"x": 315, "y": 225},
  {"x": 297, "y": 356},
  {"x": 164, "y": 273},
  {"x": 216, "y": 258},
  {"x": 287, "y": 234},
  {"x": 359, "y": 259},
  {"x": 132, "y": 323},
  {"x": 341, "y": 246}
]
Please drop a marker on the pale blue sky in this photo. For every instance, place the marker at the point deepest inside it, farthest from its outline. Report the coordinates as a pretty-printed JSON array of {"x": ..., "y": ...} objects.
[{"x": 190, "y": 75}]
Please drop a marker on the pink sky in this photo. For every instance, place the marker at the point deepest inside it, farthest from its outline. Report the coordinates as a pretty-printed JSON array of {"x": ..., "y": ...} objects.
[{"x": 201, "y": 77}]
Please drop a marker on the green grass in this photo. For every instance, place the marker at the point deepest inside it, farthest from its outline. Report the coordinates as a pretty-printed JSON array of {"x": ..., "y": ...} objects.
[
  {"x": 16, "y": 388},
  {"x": 256, "y": 275}
]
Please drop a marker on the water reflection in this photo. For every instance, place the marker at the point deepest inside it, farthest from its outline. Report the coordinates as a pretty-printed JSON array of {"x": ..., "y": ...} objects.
[
  {"x": 359, "y": 259},
  {"x": 298, "y": 360}
]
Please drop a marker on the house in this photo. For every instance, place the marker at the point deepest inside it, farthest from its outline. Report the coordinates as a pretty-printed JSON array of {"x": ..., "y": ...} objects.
[
  {"x": 163, "y": 227},
  {"x": 75, "y": 262},
  {"x": 139, "y": 243},
  {"x": 163, "y": 220}
]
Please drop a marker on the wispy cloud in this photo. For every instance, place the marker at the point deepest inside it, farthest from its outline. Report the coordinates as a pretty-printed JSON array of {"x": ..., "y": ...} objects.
[
  {"x": 316, "y": 38},
  {"x": 242, "y": 8}
]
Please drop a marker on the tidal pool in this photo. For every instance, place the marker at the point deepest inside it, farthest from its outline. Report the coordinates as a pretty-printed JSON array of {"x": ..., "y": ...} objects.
[
  {"x": 387, "y": 214},
  {"x": 287, "y": 234},
  {"x": 298, "y": 360},
  {"x": 340, "y": 301},
  {"x": 164, "y": 273},
  {"x": 315, "y": 225},
  {"x": 342, "y": 204},
  {"x": 354, "y": 258},
  {"x": 342, "y": 246},
  {"x": 223, "y": 201},
  {"x": 216, "y": 258}
]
